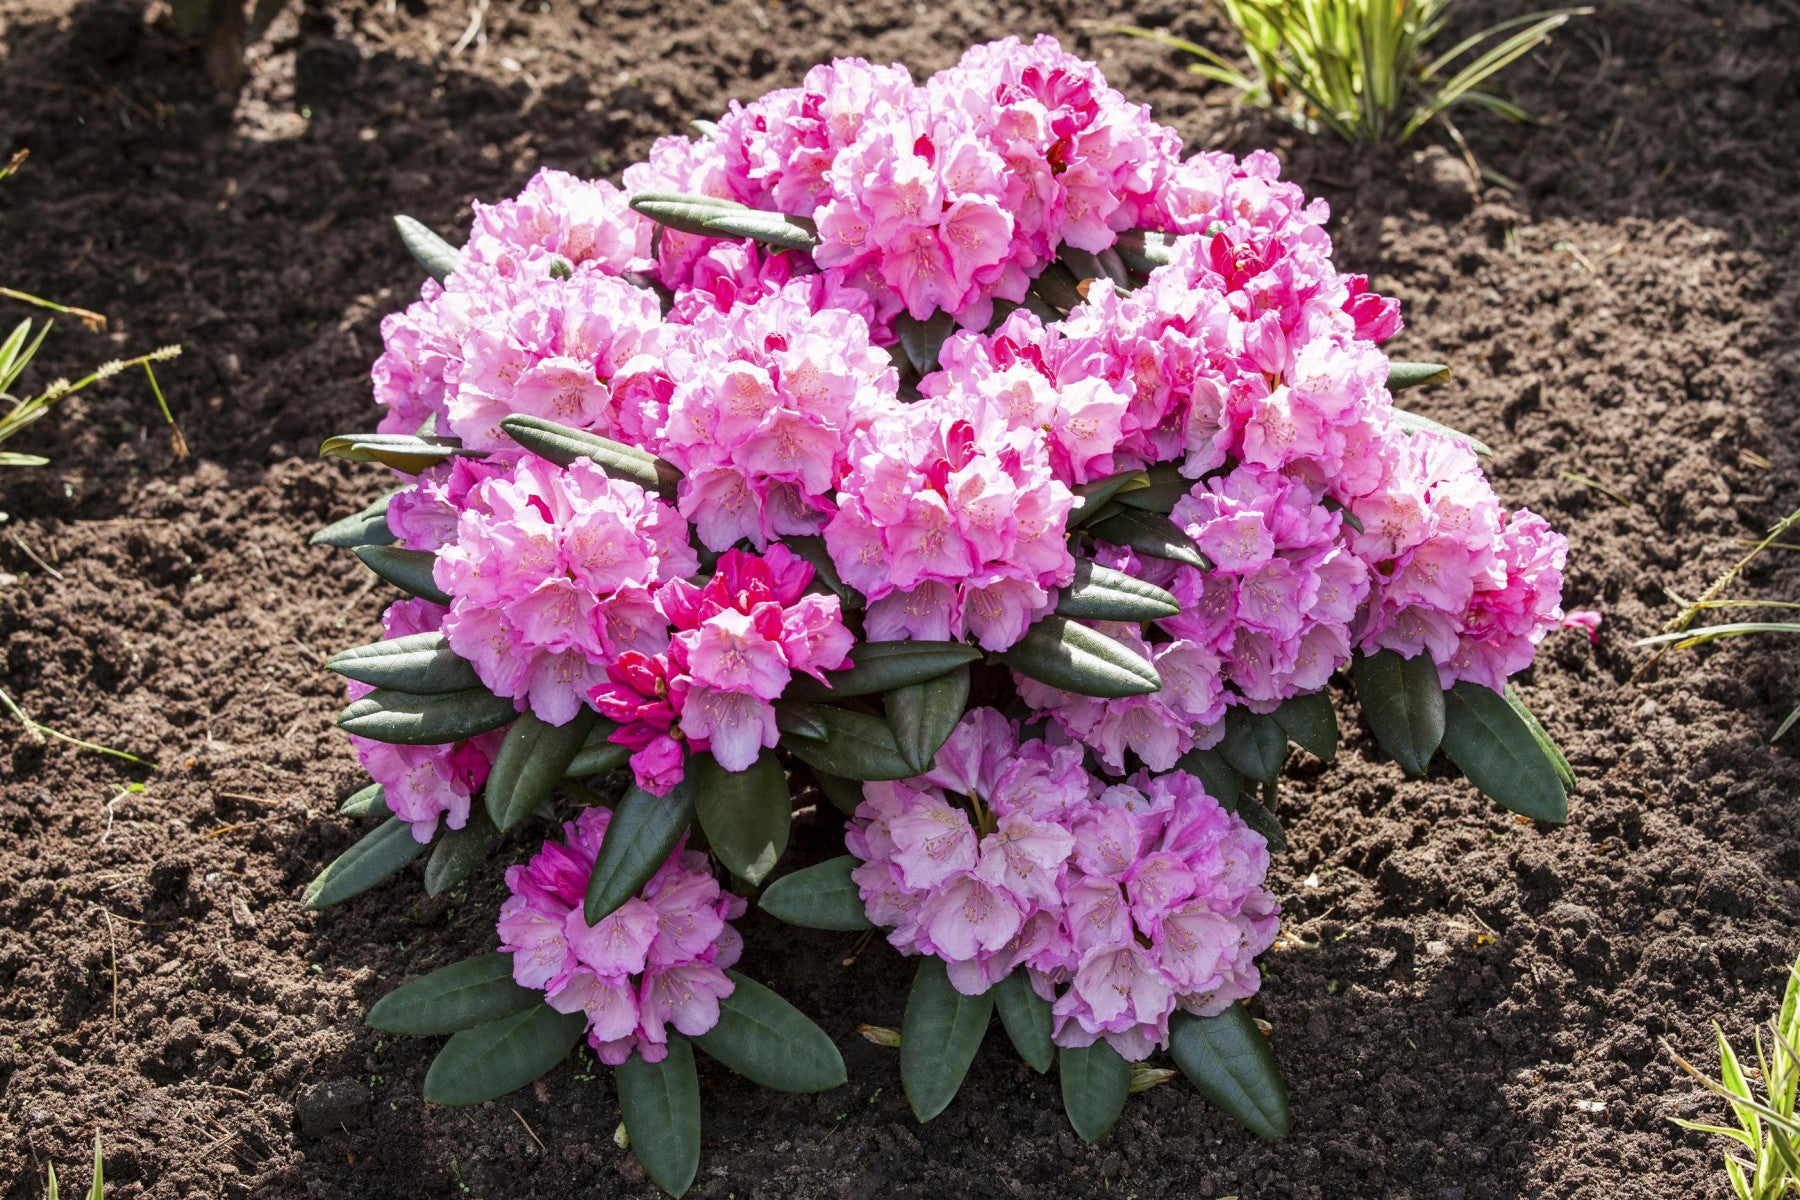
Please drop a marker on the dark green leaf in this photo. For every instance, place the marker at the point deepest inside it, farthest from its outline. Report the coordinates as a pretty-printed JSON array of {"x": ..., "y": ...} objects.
[
  {"x": 1213, "y": 771},
  {"x": 825, "y": 572},
  {"x": 822, "y": 896},
  {"x": 845, "y": 794},
  {"x": 1093, "y": 498},
  {"x": 1057, "y": 286},
  {"x": 1254, "y": 743},
  {"x": 370, "y": 801},
  {"x": 883, "y": 666},
  {"x": 403, "y": 719},
  {"x": 438, "y": 257},
  {"x": 531, "y": 762},
  {"x": 1228, "y": 1059},
  {"x": 745, "y": 814},
  {"x": 1144, "y": 250},
  {"x": 922, "y": 340},
  {"x": 368, "y": 527},
  {"x": 562, "y": 445},
  {"x": 1058, "y": 652},
  {"x": 639, "y": 840},
  {"x": 458, "y": 852},
  {"x": 800, "y": 719},
  {"x": 1311, "y": 722},
  {"x": 1152, "y": 534},
  {"x": 504, "y": 1055},
  {"x": 408, "y": 570},
  {"x": 420, "y": 663},
  {"x": 726, "y": 220},
  {"x": 1025, "y": 1015},
  {"x": 1404, "y": 704},
  {"x": 1415, "y": 374},
  {"x": 1545, "y": 742},
  {"x": 924, "y": 716},
  {"x": 661, "y": 1106},
  {"x": 598, "y": 753},
  {"x": 454, "y": 998},
  {"x": 859, "y": 747},
  {"x": 1496, "y": 749},
  {"x": 380, "y": 854},
  {"x": 1259, "y": 815},
  {"x": 1100, "y": 593},
  {"x": 768, "y": 1041},
  {"x": 1414, "y": 423},
  {"x": 1095, "y": 1083},
  {"x": 939, "y": 1036}
]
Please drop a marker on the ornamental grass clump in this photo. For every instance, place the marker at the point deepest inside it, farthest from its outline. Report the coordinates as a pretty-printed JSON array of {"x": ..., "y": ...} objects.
[{"x": 954, "y": 454}]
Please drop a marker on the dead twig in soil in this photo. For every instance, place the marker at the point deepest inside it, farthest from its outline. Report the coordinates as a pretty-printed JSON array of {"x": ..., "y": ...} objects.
[
  {"x": 30, "y": 553},
  {"x": 531, "y": 1131}
]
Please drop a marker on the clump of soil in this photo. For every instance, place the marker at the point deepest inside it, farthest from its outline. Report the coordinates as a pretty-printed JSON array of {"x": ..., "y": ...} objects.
[{"x": 1472, "y": 1006}]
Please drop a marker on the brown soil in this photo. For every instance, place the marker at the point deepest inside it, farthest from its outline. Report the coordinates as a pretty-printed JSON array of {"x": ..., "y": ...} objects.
[{"x": 1475, "y": 1007}]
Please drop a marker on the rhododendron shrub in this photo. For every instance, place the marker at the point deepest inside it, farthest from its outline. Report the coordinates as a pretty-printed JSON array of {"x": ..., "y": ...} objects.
[{"x": 961, "y": 456}]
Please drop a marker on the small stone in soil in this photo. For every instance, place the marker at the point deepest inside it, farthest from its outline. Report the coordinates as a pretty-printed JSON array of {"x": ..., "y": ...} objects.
[{"x": 331, "y": 1105}]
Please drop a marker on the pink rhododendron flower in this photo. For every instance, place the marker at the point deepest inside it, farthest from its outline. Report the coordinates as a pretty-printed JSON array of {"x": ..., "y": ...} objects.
[
  {"x": 1123, "y": 902},
  {"x": 658, "y": 960}
]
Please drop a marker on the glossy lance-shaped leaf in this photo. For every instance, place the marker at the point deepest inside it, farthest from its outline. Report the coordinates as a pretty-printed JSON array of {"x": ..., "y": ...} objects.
[
  {"x": 1311, "y": 722},
  {"x": 1213, "y": 771},
  {"x": 1098, "y": 593},
  {"x": 845, "y": 794},
  {"x": 1259, "y": 815},
  {"x": 454, "y": 998},
  {"x": 562, "y": 445},
  {"x": 1152, "y": 534},
  {"x": 924, "y": 716},
  {"x": 704, "y": 216},
  {"x": 531, "y": 762},
  {"x": 745, "y": 814},
  {"x": 1403, "y": 703},
  {"x": 921, "y": 341},
  {"x": 878, "y": 667},
  {"x": 1415, "y": 374},
  {"x": 859, "y": 747},
  {"x": 822, "y": 896},
  {"x": 403, "y": 719},
  {"x": 1095, "y": 1084},
  {"x": 1144, "y": 250},
  {"x": 768, "y": 1041},
  {"x": 408, "y": 570},
  {"x": 404, "y": 452},
  {"x": 503, "y": 1055},
  {"x": 1096, "y": 494},
  {"x": 1412, "y": 422},
  {"x": 1058, "y": 652},
  {"x": 939, "y": 1036},
  {"x": 1228, "y": 1059},
  {"x": 420, "y": 663},
  {"x": 598, "y": 753},
  {"x": 801, "y": 719},
  {"x": 367, "y": 527},
  {"x": 458, "y": 852},
  {"x": 370, "y": 801},
  {"x": 380, "y": 854},
  {"x": 1167, "y": 486},
  {"x": 1496, "y": 749},
  {"x": 1254, "y": 743},
  {"x": 661, "y": 1106},
  {"x": 1545, "y": 742},
  {"x": 1026, "y": 1017},
  {"x": 438, "y": 257},
  {"x": 639, "y": 839},
  {"x": 825, "y": 572}
]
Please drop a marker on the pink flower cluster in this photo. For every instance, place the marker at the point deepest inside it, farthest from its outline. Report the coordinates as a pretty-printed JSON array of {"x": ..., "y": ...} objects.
[
  {"x": 424, "y": 783},
  {"x": 952, "y": 523},
  {"x": 550, "y": 578},
  {"x": 1141, "y": 897},
  {"x": 735, "y": 644},
  {"x": 659, "y": 960}
]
